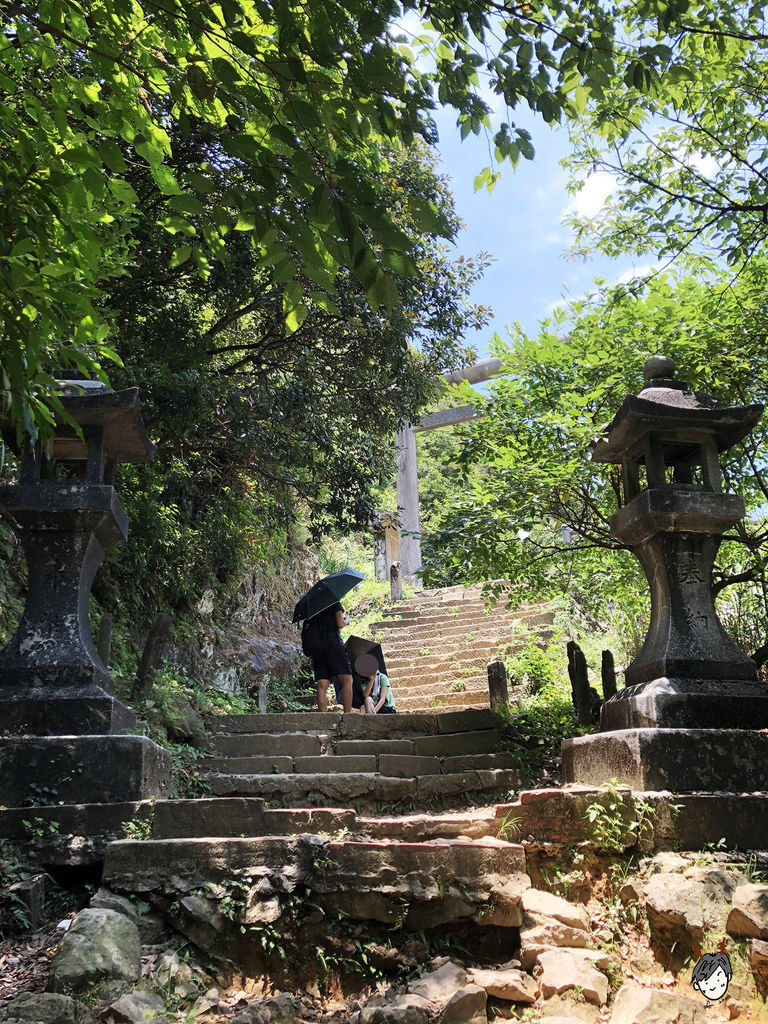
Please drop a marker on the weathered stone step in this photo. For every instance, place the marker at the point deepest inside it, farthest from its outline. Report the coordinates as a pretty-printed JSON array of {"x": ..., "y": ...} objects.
[
  {"x": 453, "y": 661},
  {"x": 437, "y": 709},
  {"x": 295, "y": 790},
  {"x": 416, "y": 885},
  {"x": 409, "y": 647},
  {"x": 416, "y": 688},
  {"x": 476, "y": 611},
  {"x": 267, "y": 748},
  {"x": 393, "y": 765},
  {"x": 447, "y": 699},
  {"x": 446, "y": 622},
  {"x": 352, "y": 726},
  {"x": 444, "y": 677}
]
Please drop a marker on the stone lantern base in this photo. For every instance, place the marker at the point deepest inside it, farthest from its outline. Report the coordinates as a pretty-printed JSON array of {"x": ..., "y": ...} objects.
[
  {"x": 688, "y": 704},
  {"x": 66, "y": 711},
  {"x": 679, "y": 760}
]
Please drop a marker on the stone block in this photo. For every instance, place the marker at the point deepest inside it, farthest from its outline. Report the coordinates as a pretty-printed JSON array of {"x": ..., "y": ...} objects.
[
  {"x": 539, "y": 902},
  {"x": 259, "y": 765},
  {"x": 99, "y": 769},
  {"x": 506, "y": 983},
  {"x": 451, "y": 744},
  {"x": 669, "y": 759},
  {"x": 559, "y": 971},
  {"x": 400, "y": 726},
  {"x": 345, "y": 763},
  {"x": 469, "y": 721},
  {"x": 287, "y": 744},
  {"x": 183, "y": 819},
  {"x": 298, "y": 721},
  {"x": 469, "y": 762},
  {"x": 70, "y": 711},
  {"x": 75, "y": 834},
  {"x": 408, "y": 765},
  {"x": 342, "y": 789},
  {"x": 748, "y": 918},
  {"x": 486, "y": 781},
  {"x": 670, "y": 703},
  {"x": 636, "y": 1004},
  {"x": 373, "y": 746}
]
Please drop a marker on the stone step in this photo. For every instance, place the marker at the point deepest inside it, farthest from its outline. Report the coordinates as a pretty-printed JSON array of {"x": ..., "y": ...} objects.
[
  {"x": 447, "y": 700},
  {"x": 339, "y": 726},
  {"x": 411, "y": 885},
  {"x": 453, "y": 660},
  {"x": 409, "y": 631},
  {"x": 399, "y": 764},
  {"x": 416, "y": 688},
  {"x": 368, "y": 788},
  {"x": 438, "y": 709},
  {"x": 409, "y": 647},
  {"x": 278, "y": 752},
  {"x": 443, "y": 677},
  {"x": 473, "y": 613},
  {"x": 442, "y": 621}
]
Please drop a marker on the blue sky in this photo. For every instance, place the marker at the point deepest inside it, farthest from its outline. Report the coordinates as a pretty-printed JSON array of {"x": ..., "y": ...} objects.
[{"x": 520, "y": 224}]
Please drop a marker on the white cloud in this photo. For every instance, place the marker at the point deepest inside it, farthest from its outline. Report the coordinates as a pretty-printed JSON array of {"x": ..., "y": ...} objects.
[
  {"x": 553, "y": 238},
  {"x": 594, "y": 192},
  {"x": 642, "y": 271}
]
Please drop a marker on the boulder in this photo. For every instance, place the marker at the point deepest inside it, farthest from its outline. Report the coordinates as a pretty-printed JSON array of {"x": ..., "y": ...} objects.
[
  {"x": 506, "y": 983},
  {"x": 597, "y": 958},
  {"x": 152, "y": 929},
  {"x": 105, "y": 899},
  {"x": 183, "y": 721},
  {"x": 748, "y": 918},
  {"x": 539, "y": 930},
  {"x": 138, "y": 1006},
  {"x": 172, "y": 971},
  {"x": 464, "y": 1006},
  {"x": 559, "y": 970},
  {"x": 101, "y": 945},
  {"x": 438, "y": 986},
  {"x": 571, "y": 1006},
  {"x": 48, "y": 1008},
  {"x": 547, "y": 904},
  {"x": 681, "y": 908},
  {"x": 407, "y": 1008},
  {"x": 635, "y": 1004},
  {"x": 758, "y": 964}
]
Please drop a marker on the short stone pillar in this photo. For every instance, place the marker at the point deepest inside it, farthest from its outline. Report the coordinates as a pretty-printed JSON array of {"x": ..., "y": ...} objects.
[
  {"x": 66, "y": 513},
  {"x": 689, "y": 677}
]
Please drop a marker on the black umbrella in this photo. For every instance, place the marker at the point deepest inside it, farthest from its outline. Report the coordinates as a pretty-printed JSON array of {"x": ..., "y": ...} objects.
[
  {"x": 325, "y": 593},
  {"x": 357, "y": 645}
]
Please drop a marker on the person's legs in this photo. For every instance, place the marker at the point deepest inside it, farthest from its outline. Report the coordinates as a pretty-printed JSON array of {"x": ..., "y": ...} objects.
[
  {"x": 368, "y": 708},
  {"x": 346, "y": 691},
  {"x": 322, "y": 694}
]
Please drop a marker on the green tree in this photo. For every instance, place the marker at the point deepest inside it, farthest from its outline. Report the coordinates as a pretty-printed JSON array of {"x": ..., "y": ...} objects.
[
  {"x": 539, "y": 513},
  {"x": 305, "y": 94},
  {"x": 258, "y": 425}
]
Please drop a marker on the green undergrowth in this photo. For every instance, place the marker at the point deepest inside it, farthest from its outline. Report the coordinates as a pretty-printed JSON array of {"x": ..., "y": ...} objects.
[{"x": 534, "y": 728}]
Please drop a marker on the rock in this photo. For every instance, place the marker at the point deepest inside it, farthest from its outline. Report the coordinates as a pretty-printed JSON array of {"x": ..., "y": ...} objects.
[
  {"x": 547, "y": 931},
  {"x": 666, "y": 862},
  {"x": 259, "y": 911},
  {"x": 407, "y": 1008},
  {"x": 748, "y": 918},
  {"x": 152, "y": 929},
  {"x": 105, "y": 899},
  {"x": 101, "y": 945},
  {"x": 682, "y": 907},
  {"x": 635, "y": 1004},
  {"x": 547, "y": 904},
  {"x": 183, "y": 721},
  {"x": 49, "y": 1008},
  {"x": 210, "y": 1001},
  {"x": 137, "y": 1006},
  {"x": 758, "y": 964},
  {"x": 559, "y": 970},
  {"x": 571, "y": 1007},
  {"x": 174, "y": 972},
  {"x": 509, "y": 984},
  {"x": 464, "y": 1005},
  {"x": 440, "y": 985}
]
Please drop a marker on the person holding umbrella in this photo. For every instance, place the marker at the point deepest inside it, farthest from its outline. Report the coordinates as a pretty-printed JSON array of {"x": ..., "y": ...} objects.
[{"x": 321, "y": 639}]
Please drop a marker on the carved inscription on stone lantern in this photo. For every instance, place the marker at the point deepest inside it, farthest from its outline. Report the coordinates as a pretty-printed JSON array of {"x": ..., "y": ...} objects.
[{"x": 667, "y": 439}]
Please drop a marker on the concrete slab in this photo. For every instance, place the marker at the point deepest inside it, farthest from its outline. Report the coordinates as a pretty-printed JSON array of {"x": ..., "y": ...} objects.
[
  {"x": 466, "y": 782},
  {"x": 241, "y": 816},
  {"x": 362, "y": 727},
  {"x": 469, "y": 762},
  {"x": 342, "y": 789},
  {"x": 469, "y": 721}
]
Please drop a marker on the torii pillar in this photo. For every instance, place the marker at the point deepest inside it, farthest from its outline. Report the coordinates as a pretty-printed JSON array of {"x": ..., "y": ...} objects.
[{"x": 408, "y": 469}]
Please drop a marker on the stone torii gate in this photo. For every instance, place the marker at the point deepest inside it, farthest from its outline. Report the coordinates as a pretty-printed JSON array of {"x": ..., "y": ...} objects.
[{"x": 407, "y": 531}]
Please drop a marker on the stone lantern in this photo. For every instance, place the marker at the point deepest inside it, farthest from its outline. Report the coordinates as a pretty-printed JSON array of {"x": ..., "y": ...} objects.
[
  {"x": 689, "y": 677},
  {"x": 66, "y": 514}
]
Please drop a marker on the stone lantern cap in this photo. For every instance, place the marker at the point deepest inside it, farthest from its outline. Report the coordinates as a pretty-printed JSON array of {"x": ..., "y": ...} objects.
[
  {"x": 92, "y": 404},
  {"x": 667, "y": 408}
]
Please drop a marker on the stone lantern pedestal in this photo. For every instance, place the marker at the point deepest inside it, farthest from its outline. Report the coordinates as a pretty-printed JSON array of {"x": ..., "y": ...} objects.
[
  {"x": 689, "y": 714},
  {"x": 61, "y": 723}
]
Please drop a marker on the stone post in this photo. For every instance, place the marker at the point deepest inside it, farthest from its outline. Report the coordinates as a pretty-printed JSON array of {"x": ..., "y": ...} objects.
[
  {"x": 608, "y": 675},
  {"x": 408, "y": 503},
  {"x": 577, "y": 673},
  {"x": 498, "y": 691},
  {"x": 395, "y": 582}
]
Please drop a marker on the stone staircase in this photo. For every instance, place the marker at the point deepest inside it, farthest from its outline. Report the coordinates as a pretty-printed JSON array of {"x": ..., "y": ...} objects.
[
  {"x": 398, "y": 760},
  {"x": 437, "y": 646}
]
